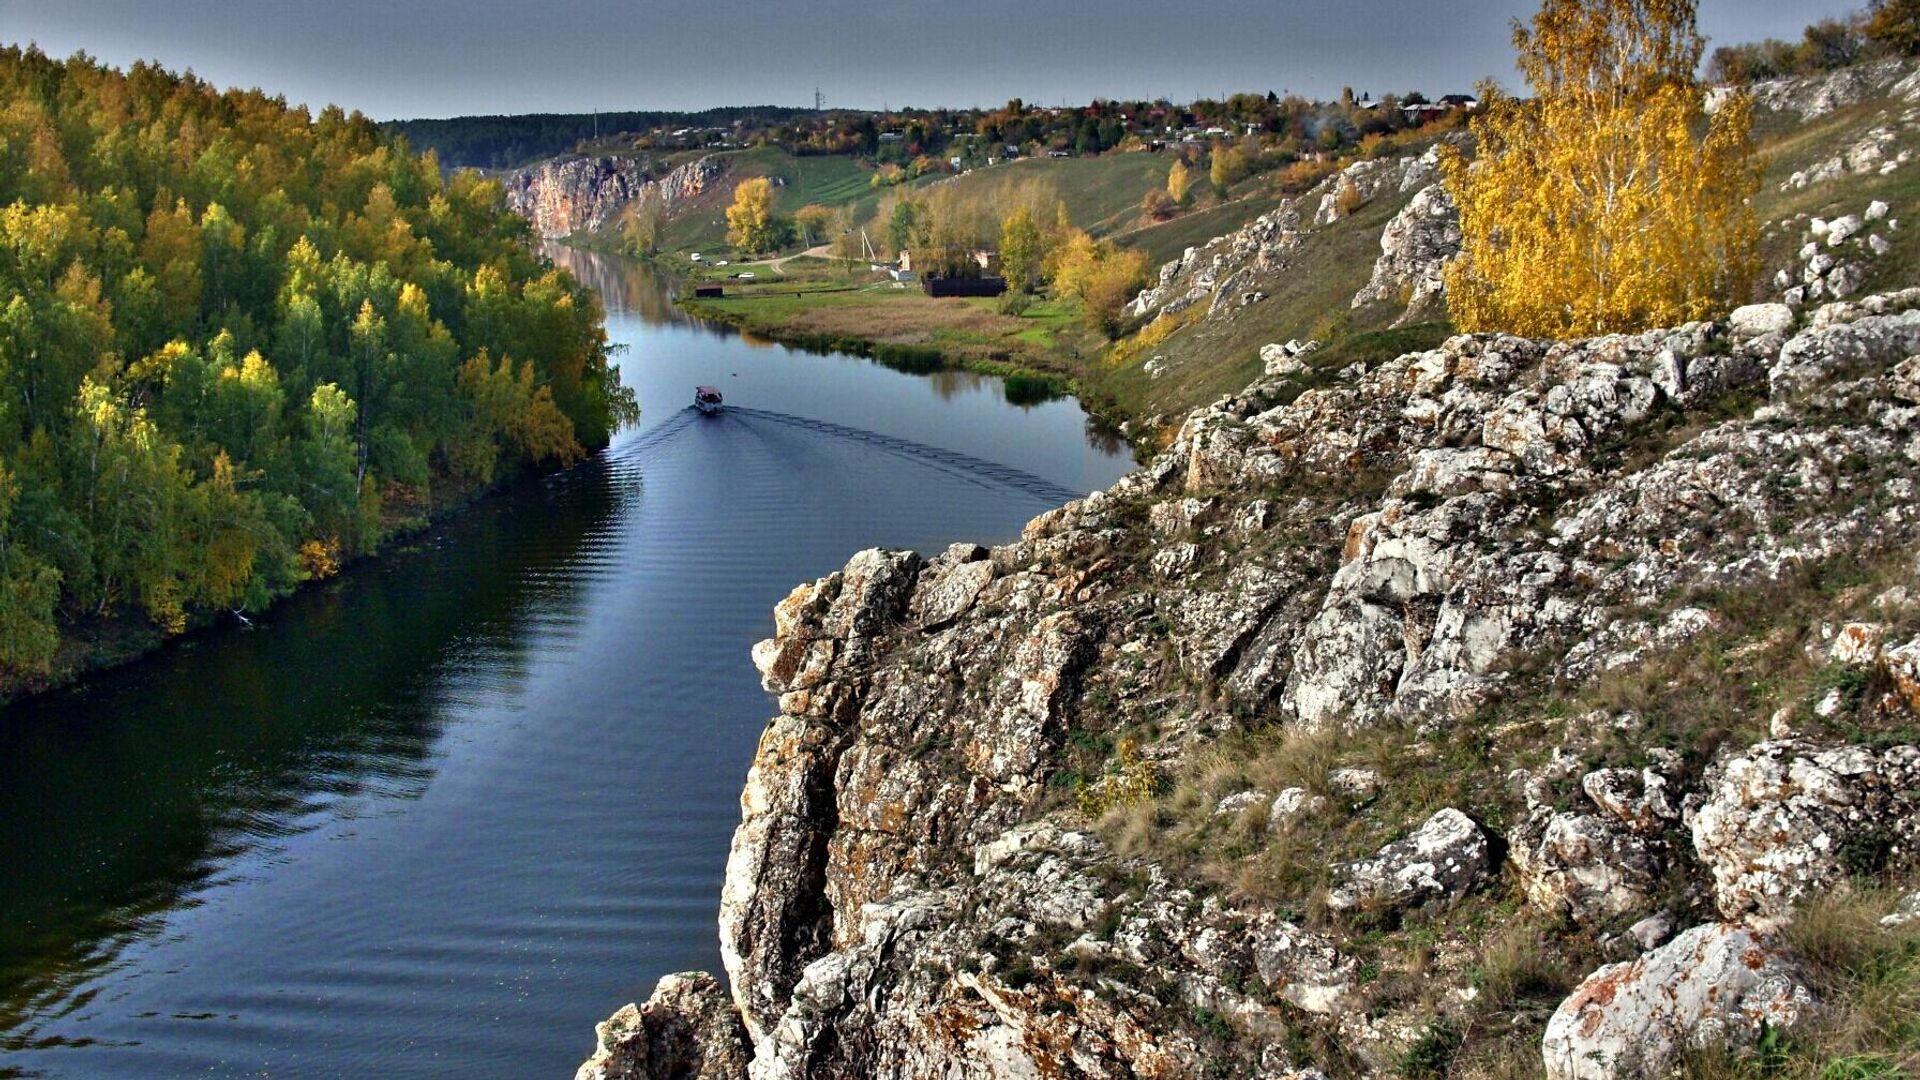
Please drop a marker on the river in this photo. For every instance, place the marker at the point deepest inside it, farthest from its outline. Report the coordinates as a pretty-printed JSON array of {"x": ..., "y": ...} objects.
[{"x": 440, "y": 815}]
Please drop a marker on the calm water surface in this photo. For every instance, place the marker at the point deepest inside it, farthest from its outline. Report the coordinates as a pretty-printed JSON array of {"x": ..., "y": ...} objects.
[{"x": 441, "y": 815}]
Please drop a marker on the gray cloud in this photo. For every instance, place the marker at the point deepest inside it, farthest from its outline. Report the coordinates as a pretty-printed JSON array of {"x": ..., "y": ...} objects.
[{"x": 425, "y": 58}]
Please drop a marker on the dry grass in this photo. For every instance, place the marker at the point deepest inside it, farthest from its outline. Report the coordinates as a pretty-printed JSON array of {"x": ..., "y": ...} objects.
[{"x": 1243, "y": 853}]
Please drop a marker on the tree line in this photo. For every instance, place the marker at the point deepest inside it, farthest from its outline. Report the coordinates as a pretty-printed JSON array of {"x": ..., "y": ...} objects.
[
  {"x": 240, "y": 344},
  {"x": 1887, "y": 28}
]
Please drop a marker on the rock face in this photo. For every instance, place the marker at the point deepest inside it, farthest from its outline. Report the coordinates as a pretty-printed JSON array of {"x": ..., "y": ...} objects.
[
  {"x": 1717, "y": 984},
  {"x": 1414, "y": 251},
  {"x": 565, "y": 196},
  {"x": 688, "y": 1030},
  {"x": 915, "y": 891}
]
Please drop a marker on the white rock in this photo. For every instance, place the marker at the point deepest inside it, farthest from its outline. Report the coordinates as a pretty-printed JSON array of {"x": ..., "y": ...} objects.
[
  {"x": 1841, "y": 230},
  {"x": 1714, "y": 985},
  {"x": 1876, "y": 210},
  {"x": 1238, "y": 801},
  {"x": 1878, "y": 244},
  {"x": 1759, "y": 320},
  {"x": 1441, "y": 859},
  {"x": 1355, "y": 783},
  {"x": 1293, "y": 801}
]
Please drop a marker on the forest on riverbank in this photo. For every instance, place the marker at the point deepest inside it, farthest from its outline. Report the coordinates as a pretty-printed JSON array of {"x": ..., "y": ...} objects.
[{"x": 241, "y": 344}]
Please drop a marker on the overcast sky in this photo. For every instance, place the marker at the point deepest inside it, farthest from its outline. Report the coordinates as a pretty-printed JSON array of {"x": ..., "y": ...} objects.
[{"x": 409, "y": 58}]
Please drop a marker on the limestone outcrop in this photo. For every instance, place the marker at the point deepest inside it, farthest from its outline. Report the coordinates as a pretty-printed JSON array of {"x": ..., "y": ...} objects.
[
  {"x": 1783, "y": 820},
  {"x": 951, "y": 857},
  {"x": 570, "y": 195},
  {"x": 1414, "y": 251}
]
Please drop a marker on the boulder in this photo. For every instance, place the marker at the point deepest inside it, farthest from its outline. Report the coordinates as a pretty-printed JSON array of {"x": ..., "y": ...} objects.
[
  {"x": 1440, "y": 860},
  {"x": 1759, "y": 320},
  {"x": 1279, "y": 360},
  {"x": 1651, "y": 931},
  {"x": 1583, "y": 865},
  {"x": 687, "y": 1030},
  {"x": 1784, "y": 819},
  {"x": 1714, "y": 985}
]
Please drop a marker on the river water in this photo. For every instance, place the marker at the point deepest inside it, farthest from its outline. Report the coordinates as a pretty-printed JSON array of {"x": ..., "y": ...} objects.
[{"x": 440, "y": 815}]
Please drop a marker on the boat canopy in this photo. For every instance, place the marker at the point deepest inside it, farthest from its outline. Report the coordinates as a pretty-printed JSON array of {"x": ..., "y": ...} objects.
[{"x": 706, "y": 393}]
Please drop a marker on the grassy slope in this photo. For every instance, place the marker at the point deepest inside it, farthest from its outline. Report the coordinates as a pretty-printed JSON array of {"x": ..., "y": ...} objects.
[
  {"x": 832, "y": 181},
  {"x": 1165, "y": 241},
  {"x": 1102, "y": 193},
  {"x": 1308, "y": 299},
  {"x": 1787, "y": 145}
]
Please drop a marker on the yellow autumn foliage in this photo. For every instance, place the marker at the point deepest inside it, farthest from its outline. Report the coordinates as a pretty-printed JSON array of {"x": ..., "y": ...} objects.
[{"x": 1610, "y": 201}]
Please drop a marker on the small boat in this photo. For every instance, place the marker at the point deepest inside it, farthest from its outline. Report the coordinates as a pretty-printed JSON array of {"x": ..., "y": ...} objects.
[{"x": 706, "y": 399}]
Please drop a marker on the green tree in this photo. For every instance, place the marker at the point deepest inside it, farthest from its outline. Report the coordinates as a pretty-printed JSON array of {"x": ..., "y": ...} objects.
[
  {"x": 29, "y": 590},
  {"x": 903, "y": 221},
  {"x": 1021, "y": 250}
]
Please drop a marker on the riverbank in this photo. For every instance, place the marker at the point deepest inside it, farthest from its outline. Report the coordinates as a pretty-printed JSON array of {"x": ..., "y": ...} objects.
[
  {"x": 93, "y": 644},
  {"x": 1043, "y": 352}
]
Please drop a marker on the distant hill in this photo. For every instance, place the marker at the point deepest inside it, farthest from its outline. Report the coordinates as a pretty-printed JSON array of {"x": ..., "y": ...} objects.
[{"x": 507, "y": 142}]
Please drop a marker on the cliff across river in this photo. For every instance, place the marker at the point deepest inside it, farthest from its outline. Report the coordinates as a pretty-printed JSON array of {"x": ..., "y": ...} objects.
[{"x": 566, "y": 196}]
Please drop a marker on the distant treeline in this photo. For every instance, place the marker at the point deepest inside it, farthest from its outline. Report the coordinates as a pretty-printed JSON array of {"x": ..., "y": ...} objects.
[
  {"x": 506, "y": 142},
  {"x": 1887, "y": 28}
]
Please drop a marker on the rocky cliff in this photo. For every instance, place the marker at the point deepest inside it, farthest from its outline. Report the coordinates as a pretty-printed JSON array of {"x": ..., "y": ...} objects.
[
  {"x": 1138, "y": 794},
  {"x": 565, "y": 196},
  {"x": 1510, "y": 708}
]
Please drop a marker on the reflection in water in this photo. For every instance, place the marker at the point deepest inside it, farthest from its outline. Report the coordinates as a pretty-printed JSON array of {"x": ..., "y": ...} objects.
[
  {"x": 448, "y": 811},
  {"x": 124, "y": 797}
]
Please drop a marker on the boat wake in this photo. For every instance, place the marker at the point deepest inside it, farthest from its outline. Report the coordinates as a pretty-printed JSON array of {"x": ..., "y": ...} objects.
[{"x": 950, "y": 461}]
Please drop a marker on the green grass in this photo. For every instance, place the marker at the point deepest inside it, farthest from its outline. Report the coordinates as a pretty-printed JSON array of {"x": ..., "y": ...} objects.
[{"x": 1102, "y": 193}]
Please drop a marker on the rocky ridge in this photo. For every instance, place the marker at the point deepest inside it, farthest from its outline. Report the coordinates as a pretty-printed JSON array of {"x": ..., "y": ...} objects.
[
  {"x": 570, "y": 195},
  {"x": 1225, "y": 272},
  {"x": 960, "y": 851}
]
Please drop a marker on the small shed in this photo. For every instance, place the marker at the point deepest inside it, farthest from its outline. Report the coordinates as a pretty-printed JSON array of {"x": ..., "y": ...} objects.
[{"x": 708, "y": 292}]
